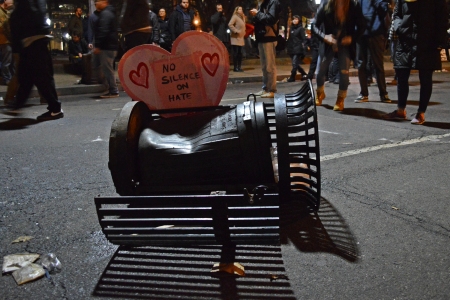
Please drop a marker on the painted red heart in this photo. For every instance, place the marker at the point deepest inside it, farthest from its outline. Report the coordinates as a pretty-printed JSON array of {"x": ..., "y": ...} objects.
[
  {"x": 195, "y": 74},
  {"x": 140, "y": 77},
  {"x": 212, "y": 64}
]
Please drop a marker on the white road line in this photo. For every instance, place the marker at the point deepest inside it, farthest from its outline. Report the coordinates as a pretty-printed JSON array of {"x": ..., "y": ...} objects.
[
  {"x": 379, "y": 147},
  {"x": 330, "y": 132}
]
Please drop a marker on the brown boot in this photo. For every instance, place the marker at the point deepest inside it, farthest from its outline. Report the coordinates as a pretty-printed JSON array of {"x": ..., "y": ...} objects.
[
  {"x": 320, "y": 95},
  {"x": 339, "y": 106}
]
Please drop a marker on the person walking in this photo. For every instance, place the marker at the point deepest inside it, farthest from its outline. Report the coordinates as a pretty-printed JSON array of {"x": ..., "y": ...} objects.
[
  {"x": 237, "y": 27},
  {"x": 165, "y": 40},
  {"x": 343, "y": 23},
  {"x": 421, "y": 27},
  {"x": 181, "y": 19},
  {"x": 30, "y": 35},
  {"x": 296, "y": 49},
  {"x": 265, "y": 19},
  {"x": 135, "y": 24},
  {"x": 106, "y": 45},
  {"x": 370, "y": 48},
  {"x": 314, "y": 48}
]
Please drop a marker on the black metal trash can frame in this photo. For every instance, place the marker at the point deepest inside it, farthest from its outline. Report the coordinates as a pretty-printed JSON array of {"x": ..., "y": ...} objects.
[{"x": 244, "y": 211}]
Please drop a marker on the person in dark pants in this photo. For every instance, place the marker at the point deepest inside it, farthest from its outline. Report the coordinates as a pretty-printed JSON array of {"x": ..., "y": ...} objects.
[
  {"x": 373, "y": 41},
  {"x": 295, "y": 48},
  {"x": 106, "y": 45},
  {"x": 314, "y": 48},
  {"x": 181, "y": 19},
  {"x": 421, "y": 27},
  {"x": 30, "y": 38}
]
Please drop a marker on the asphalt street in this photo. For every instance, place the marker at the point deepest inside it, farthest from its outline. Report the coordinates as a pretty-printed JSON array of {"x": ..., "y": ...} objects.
[{"x": 382, "y": 232}]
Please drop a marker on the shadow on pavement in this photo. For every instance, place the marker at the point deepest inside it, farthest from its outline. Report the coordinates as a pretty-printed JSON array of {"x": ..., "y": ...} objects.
[
  {"x": 17, "y": 123},
  {"x": 321, "y": 231},
  {"x": 440, "y": 125},
  {"x": 184, "y": 273}
]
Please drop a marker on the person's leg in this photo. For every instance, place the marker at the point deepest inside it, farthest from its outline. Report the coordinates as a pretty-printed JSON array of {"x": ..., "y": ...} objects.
[
  {"x": 426, "y": 89},
  {"x": 6, "y": 59},
  {"x": 294, "y": 61},
  {"x": 24, "y": 78},
  {"x": 235, "y": 54},
  {"x": 14, "y": 83},
  {"x": 42, "y": 73},
  {"x": 106, "y": 61},
  {"x": 271, "y": 67},
  {"x": 376, "y": 46},
  {"x": 320, "y": 79},
  {"x": 313, "y": 65},
  {"x": 344, "y": 66},
  {"x": 299, "y": 67},
  {"x": 262, "y": 59},
  {"x": 362, "y": 62},
  {"x": 402, "y": 87},
  {"x": 239, "y": 57}
]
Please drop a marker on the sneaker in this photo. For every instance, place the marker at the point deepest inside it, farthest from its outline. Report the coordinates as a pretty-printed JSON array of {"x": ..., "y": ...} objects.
[
  {"x": 51, "y": 116},
  {"x": 393, "y": 82},
  {"x": 385, "y": 99},
  {"x": 110, "y": 95},
  {"x": 395, "y": 115},
  {"x": 261, "y": 92},
  {"x": 362, "y": 99},
  {"x": 268, "y": 95},
  {"x": 419, "y": 119}
]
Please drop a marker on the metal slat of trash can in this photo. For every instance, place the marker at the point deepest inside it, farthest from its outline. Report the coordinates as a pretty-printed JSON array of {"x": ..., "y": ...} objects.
[
  {"x": 297, "y": 141},
  {"x": 188, "y": 220}
]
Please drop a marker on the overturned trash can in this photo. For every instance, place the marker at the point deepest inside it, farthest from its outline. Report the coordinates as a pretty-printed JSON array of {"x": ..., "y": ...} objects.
[{"x": 216, "y": 175}]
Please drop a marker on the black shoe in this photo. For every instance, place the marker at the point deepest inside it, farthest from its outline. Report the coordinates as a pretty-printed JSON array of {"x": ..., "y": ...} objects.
[
  {"x": 110, "y": 95},
  {"x": 240, "y": 70},
  {"x": 291, "y": 79},
  {"x": 385, "y": 99},
  {"x": 305, "y": 77},
  {"x": 50, "y": 116}
]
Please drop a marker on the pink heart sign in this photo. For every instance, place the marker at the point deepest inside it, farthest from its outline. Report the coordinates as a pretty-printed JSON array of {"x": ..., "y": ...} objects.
[{"x": 195, "y": 74}]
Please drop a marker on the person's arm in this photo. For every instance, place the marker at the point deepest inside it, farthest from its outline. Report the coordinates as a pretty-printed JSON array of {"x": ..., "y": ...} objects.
[
  {"x": 441, "y": 15},
  {"x": 232, "y": 23},
  {"x": 270, "y": 17},
  {"x": 155, "y": 30},
  {"x": 215, "y": 18}
]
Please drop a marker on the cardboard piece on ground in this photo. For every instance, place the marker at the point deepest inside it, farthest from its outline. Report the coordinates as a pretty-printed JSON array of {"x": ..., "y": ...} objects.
[{"x": 195, "y": 74}]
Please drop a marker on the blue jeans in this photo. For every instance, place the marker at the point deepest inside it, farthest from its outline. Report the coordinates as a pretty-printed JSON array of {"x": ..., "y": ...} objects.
[
  {"x": 426, "y": 88},
  {"x": 106, "y": 61},
  {"x": 344, "y": 65},
  {"x": 6, "y": 60},
  {"x": 268, "y": 66}
]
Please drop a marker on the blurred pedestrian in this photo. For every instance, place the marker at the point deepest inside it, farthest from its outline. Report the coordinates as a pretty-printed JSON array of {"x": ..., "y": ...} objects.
[
  {"x": 314, "y": 48},
  {"x": 296, "y": 49},
  {"x": 135, "y": 24},
  {"x": 370, "y": 48},
  {"x": 165, "y": 40},
  {"x": 343, "y": 23},
  {"x": 154, "y": 24},
  {"x": 219, "y": 25},
  {"x": 181, "y": 19},
  {"x": 266, "y": 19},
  {"x": 393, "y": 38},
  {"x": 237, "y": 27},
  {"x": 78, "y": 48},
  {"x": 30, "y": 35},
  {"x": 421, "y": 27},
  {"x": 106, "y": 45}
]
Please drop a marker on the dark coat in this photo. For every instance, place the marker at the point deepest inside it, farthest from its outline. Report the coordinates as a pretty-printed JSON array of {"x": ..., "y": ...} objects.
[
  {"x": 375, "y": 11},
  {"x": 153, "y": 19},
  {"x": 421, "y": 28},
  {"x": 75, "y": 24},
  {"x": 106, "y": 37},
  {"x": 326, "y": 24},
  {"x": 267, "y": 18},
  {"x": 296, "y": 40},
  {"x": 176, "y": 22},
  {"x": 28, "y": 19},
  {"x": 135, "y": 16},
  {"x": 80, "y": 47},
  {"x": 219, "y": 26}
]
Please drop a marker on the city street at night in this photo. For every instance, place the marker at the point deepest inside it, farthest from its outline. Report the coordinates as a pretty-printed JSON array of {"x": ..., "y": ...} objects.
[{"x": 382, "y": 230}]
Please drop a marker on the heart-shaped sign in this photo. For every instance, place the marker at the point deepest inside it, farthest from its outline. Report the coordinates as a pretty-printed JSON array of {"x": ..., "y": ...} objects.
[{"x": 195, "y": 74}]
